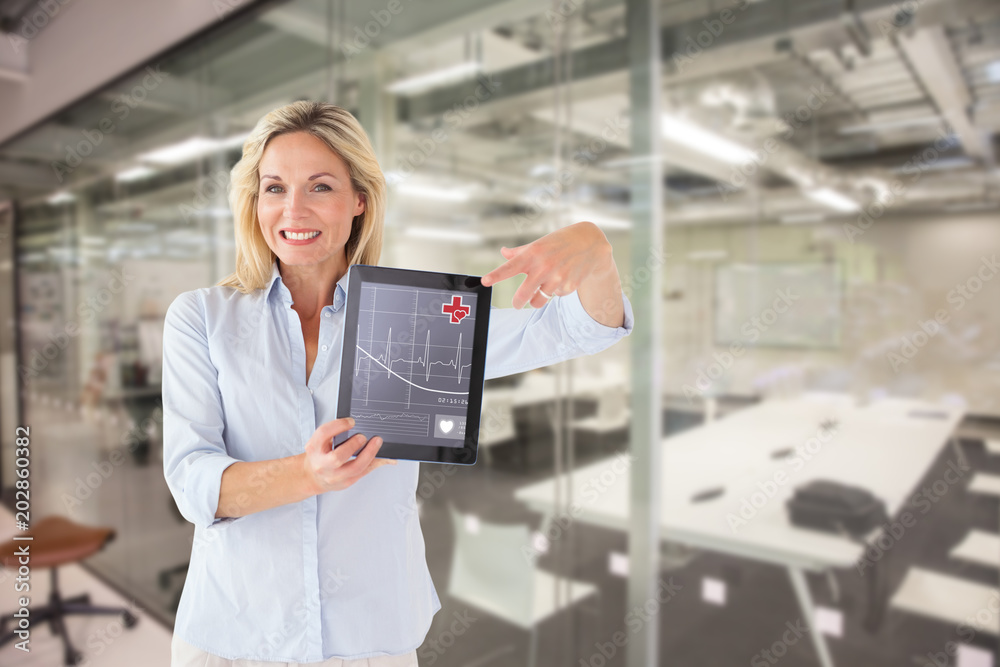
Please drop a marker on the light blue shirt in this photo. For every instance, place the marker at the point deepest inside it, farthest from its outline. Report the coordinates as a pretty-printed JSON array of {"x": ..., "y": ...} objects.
[{"x": 342, "y": 574}]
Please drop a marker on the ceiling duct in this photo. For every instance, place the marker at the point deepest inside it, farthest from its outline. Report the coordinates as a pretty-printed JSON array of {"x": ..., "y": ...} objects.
[
  {"x": 747, "y": 101},
  {"x": 20, "y": 22},
  {"x": 856, "y": 30}
]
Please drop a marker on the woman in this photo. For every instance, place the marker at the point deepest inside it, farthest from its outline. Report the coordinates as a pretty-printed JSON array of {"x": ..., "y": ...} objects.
[{"x": 301, "y": 554}]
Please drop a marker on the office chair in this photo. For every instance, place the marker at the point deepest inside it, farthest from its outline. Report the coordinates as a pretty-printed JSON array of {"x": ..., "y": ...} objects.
[
  {"x": 169, "y": 575},
  {"x": 58, "y": 541},
  {"x": 613, "y": 415},
  {"x": 489, "y": 571},
  {"x": 497, "y": 425}
]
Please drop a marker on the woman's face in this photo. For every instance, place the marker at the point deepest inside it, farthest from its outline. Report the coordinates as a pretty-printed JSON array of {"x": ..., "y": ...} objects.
[{"x": 306, "y": 202}]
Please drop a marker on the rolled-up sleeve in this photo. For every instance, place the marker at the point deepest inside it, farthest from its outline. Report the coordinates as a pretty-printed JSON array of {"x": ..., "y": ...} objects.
[
  {"x": 520, "y": 340},
  {"x": 194, "y": 452}
]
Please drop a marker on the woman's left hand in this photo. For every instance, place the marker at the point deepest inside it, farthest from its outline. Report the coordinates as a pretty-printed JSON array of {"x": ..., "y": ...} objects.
[{"x": 577, "y": 257}]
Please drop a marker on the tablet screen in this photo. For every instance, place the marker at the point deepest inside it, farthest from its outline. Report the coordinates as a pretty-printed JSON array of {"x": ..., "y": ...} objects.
[{"x": 413, "y": 360}]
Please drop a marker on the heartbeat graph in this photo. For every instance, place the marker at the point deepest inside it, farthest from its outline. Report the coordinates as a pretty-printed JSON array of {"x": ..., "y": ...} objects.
[
  {"x": 386, "y": 362},
  {"x": 397, "y": 423},
  {"x": 403, "y": 373},
  {"x": 395, "y": 415}
]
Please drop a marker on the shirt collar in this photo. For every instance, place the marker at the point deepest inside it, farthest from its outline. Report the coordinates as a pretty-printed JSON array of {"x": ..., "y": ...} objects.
[{"x": 339, "y": 294}]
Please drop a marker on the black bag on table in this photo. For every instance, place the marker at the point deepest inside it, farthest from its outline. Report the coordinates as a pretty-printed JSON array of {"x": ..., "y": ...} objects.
[{"x": 839, "y": 508}]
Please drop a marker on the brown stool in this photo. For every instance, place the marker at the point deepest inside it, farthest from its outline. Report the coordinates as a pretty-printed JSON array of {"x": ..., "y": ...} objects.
[{"x": 58, "y": 541}]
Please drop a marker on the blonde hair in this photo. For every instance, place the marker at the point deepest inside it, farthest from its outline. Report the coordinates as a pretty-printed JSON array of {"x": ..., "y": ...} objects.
[{"x": 343, "y": 134}]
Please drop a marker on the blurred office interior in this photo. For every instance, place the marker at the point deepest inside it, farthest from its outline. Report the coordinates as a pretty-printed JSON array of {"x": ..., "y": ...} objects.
[{"x": 826, "y": 282}]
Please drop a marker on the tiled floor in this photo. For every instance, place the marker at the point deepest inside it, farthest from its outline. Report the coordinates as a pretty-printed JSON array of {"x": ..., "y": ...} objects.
[
  {"x": 693, "y": 633},
  {"x": 151, "y": 539},
  {"x": 101, "y": 638},
  {"x": 73, "y": 453}
]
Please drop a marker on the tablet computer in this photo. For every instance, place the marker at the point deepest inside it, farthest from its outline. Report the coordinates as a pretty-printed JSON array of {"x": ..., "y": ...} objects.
[{"x": 413, "y": 362}]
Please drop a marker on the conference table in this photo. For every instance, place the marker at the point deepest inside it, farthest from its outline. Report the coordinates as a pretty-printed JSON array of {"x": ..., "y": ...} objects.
[
  {"x": 539, "y": 387},
  {"x": 747, "y": 465}
]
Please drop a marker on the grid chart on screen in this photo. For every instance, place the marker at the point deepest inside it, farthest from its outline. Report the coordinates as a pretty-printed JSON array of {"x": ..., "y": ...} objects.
[{"x": 412, "y": 363}]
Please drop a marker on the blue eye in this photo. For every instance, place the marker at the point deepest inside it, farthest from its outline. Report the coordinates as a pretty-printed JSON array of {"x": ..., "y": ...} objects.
[{"x": 272, "y": 190}]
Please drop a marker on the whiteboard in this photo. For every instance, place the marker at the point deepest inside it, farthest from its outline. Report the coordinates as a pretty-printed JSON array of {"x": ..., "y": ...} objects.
[{"x": 778, "y": 304}]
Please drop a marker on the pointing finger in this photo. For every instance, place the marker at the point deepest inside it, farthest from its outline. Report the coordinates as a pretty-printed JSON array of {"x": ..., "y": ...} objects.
[
  {"x": 508, "y": 269},
  {"x": 513, "y": 252}
]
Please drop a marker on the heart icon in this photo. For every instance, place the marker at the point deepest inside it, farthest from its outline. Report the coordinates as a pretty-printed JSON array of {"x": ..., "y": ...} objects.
[{"x": 446, "y": 425}]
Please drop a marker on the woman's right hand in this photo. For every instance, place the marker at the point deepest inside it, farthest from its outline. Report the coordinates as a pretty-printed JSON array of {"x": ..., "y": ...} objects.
[{"x": 329, "y": 469}]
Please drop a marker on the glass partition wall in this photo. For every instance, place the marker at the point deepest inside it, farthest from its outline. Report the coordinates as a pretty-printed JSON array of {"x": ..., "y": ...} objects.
[{"x": 831, "y": 221}]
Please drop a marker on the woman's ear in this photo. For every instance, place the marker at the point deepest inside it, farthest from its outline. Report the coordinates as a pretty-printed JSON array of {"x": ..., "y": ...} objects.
[{"x": 362, "y": 204}]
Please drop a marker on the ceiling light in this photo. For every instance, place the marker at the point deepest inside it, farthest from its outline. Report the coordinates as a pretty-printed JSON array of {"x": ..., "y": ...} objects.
[
  {"x": 881, "y": 188},
  {"x": 392, "y": 177},
  {"x": 234, "y": 141},
  {"x": 460, "y": 236},
  {"x": 802, "y": 218},
  {"x": 440, "y": 77},
  {"x": 64, "y": 255},
  {"x": 707, "y": 255},
  {"x": 134, "y": 174},
  {"x": 630, "y": 161},
  {"x": 191, "y": 149},
  {"x": 993, "y": 71},
  {"x": 132, "y": 226},
  {"x": 34, "y": 257},
  {"x": 61, "y": 197},
  {"x": 941, "y": 164},
  {"x": 600, "y": 218},
  {"x": 433, "y": 192},
  {"x": 800, "y": 177},
  {"x": 703, "y": 141},
  {"x": 215, "y": 212},
  {"x": 833, "y": 199},
  {"x": 972, "y": 206},
  {"x": 891, "y": 125}
]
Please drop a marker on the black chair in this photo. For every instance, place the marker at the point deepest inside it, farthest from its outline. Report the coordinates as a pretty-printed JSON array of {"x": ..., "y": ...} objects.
[{"x": 58, "y": 541}]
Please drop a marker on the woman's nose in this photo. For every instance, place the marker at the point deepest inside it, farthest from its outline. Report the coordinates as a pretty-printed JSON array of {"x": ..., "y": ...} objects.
[{"x": 295, "y": 207}]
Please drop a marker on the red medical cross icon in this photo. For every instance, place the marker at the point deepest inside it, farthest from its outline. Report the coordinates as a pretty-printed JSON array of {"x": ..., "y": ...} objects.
[{"x": 456, "y": 309}]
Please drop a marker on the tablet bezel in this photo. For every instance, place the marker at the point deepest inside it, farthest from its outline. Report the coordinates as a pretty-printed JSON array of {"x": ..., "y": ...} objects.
[{"x": 363, "y": 273}]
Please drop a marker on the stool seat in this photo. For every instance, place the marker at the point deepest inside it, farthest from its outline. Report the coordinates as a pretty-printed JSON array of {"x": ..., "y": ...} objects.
[{"x": 57, "y": 541}]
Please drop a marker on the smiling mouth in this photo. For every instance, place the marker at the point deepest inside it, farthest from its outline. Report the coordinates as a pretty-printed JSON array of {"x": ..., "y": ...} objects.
[{"x": 298, "y": 236}]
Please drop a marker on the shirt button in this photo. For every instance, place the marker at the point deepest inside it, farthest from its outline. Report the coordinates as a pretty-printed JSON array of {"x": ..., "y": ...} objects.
[
  {"x": 326, "y": 314},
  {"x": 310, "y": 391},
  {"x": 324, "y": 348}
]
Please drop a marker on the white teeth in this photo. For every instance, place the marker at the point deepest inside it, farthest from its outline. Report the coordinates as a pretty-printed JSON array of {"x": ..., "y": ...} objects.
[{"x": 300, "y": 236}]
